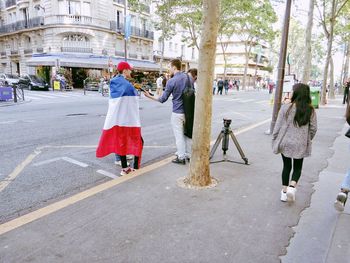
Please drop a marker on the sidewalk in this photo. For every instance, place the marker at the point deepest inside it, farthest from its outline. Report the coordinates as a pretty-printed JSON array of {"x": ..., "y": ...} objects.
[{"x": 150, "y": 219}]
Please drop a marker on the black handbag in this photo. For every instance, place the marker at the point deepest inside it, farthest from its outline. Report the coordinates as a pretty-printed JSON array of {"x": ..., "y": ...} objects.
[{"x": 347, "y": 134}]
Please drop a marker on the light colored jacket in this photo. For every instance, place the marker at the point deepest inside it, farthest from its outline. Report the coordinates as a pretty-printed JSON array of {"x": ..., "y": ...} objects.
[{"x": 290, "y": 140}]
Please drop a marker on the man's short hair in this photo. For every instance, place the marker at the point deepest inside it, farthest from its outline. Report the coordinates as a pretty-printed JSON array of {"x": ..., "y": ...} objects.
[{"x": 176, "y": 63}]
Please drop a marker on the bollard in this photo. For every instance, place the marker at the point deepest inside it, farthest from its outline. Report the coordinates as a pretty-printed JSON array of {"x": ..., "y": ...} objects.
[{"x": 14, "y": 93}]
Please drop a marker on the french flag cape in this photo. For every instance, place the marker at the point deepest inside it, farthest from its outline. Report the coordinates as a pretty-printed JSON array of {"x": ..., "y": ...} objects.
[{"x": 122, "y": 129}]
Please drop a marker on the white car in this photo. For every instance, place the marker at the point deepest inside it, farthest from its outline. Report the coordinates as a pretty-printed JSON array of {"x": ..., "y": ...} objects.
[{"x": 9, "y": 79}]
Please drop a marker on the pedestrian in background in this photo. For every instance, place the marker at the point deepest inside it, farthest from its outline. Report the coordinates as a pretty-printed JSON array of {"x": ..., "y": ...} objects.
[
  {"x": 159, "y": 83},
  {"x": 345, "y": 187},
  {"x": 193, "y": 72},
  {"x": 226, "y": 86},
  {"x": 215, "y": 84},
  {"x": 295, "y": 128},
  {"x": 346, "y": 92},
  {"x": 220, "y": 86}
]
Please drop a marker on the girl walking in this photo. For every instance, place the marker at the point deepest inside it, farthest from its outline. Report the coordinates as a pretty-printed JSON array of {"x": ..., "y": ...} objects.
[{"x": 295, "y": 128}]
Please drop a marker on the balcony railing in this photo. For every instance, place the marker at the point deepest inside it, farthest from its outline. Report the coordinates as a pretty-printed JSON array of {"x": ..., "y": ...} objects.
[
  {"x": 145, "y": 57},
  {"x": 135, "y": 31},
  {"x": 114, "y": 26},
  {"x": 40, "y": 50},
  {"x": 3, "y": 54},
  {"x": 133, "y": 56},
  {"x": 28, "y": 51},
  {"x": 14, "y": 52},
  {"x": 10, "y": 3},
  {"x": 23, "y": 24},
  {"x": 76, "y": 49},
  {"x": 76, "y": 20}
]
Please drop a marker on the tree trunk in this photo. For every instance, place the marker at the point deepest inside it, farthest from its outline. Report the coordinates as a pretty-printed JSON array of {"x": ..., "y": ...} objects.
[
  {"x": 346, "y": 65},
  {"x": 199, "y": 174},
  {"x": 308, "y": 51},
  {"x": 331, "y": 79},
  {"x": 244, "y": 85},
  {"x": 161, "y": 57},
  {"x": 224, "y": 55},
  {"x": 329, "y": 54}
]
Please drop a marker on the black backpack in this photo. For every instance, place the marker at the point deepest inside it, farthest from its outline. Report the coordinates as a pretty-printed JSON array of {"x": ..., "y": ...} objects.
[{"x": 188, "y": 98}]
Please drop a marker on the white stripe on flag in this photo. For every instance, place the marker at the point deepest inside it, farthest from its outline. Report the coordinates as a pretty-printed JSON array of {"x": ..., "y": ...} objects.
[{"x": 124, "y": 112}]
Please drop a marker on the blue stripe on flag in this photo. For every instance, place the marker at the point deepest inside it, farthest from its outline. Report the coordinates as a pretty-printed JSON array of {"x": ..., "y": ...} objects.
[{"x": 120, "y": 87}]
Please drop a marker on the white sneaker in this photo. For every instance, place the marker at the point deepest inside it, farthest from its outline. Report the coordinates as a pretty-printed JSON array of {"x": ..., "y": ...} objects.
[
  {"x": 291, "y": 194},
  {"x": 283, "y": 196},
  {"x": 126, "y": 171},
  {"x": 340, "y": 202}
]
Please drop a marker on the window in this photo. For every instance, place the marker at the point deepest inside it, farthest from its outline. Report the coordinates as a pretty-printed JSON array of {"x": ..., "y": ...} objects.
[
  {"x": 76, "y": 40},
  {"x": 182, "y": 50},
  {"x": 119, "y": 19},
  {"x": 193, "y": 55},
  {"x": 86, "y": 9},
  {"x": 73, "y": 7}
]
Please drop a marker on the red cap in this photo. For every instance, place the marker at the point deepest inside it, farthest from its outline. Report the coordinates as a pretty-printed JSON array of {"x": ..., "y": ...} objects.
[{"x": 123, "y": 65}]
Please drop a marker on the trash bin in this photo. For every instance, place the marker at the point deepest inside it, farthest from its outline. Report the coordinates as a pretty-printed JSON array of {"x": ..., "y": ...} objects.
[{"x": 315, "y": 97}]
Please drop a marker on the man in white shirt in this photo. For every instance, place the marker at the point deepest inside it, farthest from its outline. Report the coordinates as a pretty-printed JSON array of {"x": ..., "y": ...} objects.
[{"x": 159, "y": 90}]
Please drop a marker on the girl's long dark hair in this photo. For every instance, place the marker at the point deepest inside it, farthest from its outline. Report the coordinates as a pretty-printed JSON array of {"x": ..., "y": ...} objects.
[{"x": 302, "y": 101}]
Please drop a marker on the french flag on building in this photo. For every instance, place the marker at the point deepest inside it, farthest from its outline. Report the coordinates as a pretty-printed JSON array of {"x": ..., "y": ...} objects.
[{"x": 122, "y": 129}]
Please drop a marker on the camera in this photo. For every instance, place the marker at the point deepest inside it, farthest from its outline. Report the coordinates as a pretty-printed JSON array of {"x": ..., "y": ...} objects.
[{"x": 227, "y": 123}]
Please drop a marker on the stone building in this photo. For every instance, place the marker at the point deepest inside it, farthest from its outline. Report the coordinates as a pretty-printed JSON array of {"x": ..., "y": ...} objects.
[{"x": 75, "y": 34}]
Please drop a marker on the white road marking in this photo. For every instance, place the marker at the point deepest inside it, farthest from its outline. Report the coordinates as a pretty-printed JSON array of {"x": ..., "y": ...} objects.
[
  {"x": 103, "y": 172},
  {"x": 262, "y": 102},
  {"x": 8, "y": 122},
  {"x": 70, "y": 160},
  {"x": 47, "y": 161}
]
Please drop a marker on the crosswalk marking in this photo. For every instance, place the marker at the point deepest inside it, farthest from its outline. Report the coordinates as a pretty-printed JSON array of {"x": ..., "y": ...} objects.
[{"x": 244, "y": 101}]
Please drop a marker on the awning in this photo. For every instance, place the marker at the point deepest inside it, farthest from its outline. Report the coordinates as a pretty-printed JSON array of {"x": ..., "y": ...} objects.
[{"x": 76, "y": 60}]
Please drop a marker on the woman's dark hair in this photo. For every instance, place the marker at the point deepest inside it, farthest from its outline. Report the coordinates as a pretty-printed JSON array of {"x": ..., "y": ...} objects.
[
  {"x": 193, "y": 72},
  {"x": 302, "y": 101}
]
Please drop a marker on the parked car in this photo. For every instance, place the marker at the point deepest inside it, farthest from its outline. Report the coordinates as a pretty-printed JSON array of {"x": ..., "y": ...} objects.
[
  {"x": 9, "y": 79},
  {"x": 33, "y": 82}
]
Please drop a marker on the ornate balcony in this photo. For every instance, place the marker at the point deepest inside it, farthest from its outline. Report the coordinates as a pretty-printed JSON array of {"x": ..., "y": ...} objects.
[
  {"x": 76, "y": 20},
  {"x": 28, "y": 51},
  {"x": 3, "y": 54},
  {"x": 23, "y": 24},
  {"x": 76, "y": 49},
  {"x": 120, "y": 54}
]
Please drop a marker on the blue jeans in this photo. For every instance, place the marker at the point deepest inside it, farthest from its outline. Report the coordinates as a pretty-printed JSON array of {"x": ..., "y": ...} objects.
[
  {"x": 346, "y": 183},
  {"x": 117, "y": 158}
]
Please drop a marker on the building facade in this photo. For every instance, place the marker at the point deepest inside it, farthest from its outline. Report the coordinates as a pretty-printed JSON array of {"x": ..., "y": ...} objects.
[
  {"x": 258, "y": 63},
  {"x": 174, "y": 48},
  {"x": 85, "y": 34}
]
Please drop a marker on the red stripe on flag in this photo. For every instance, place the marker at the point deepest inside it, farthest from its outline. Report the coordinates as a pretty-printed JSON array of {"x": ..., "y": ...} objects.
[{"x": 120, "y": 140}]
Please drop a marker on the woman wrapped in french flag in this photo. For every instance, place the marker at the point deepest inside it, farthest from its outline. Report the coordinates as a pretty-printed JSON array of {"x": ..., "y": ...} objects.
[{"x": 122, "y": 129}]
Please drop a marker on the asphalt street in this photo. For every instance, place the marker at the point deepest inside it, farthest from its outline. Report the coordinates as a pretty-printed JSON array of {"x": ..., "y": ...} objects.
[{"x": 48, "y": 144}]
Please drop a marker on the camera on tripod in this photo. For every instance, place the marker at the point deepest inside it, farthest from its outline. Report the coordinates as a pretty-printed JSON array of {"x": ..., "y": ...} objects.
[
  {"x": 227, "y": 123},
  {"x": 224, "y": 137}
]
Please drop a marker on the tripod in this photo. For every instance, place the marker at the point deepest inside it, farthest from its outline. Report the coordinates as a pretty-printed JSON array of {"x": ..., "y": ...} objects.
[{"x": 224, "y": 136}]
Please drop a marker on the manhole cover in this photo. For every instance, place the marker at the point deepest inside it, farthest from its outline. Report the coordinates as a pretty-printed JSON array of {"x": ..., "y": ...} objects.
[{"x": 76, "y": 114}]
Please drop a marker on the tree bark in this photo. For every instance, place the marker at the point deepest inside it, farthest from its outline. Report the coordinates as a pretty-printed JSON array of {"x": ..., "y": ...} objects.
[
  {"x": 346, "y": 65},
  {"x": 329, "y": 54},
  {"x": 161, "y": 57},
  {"x": 331, "y": 79},
  {"x": 199, "y": 174},
  {"x": 308, "y": 51}
]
